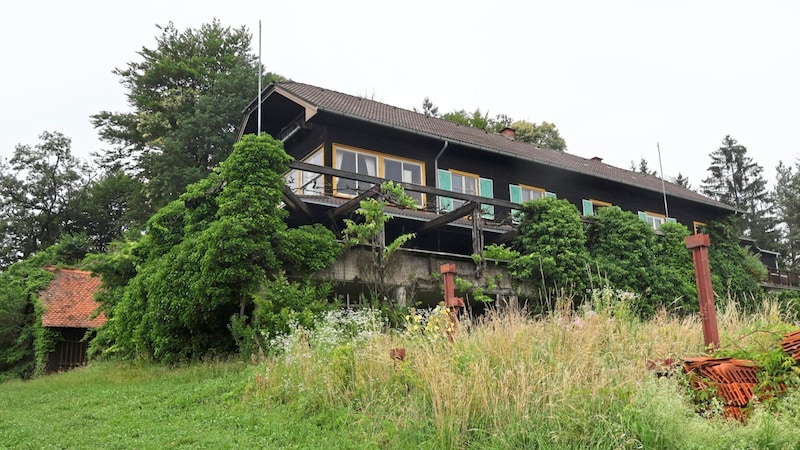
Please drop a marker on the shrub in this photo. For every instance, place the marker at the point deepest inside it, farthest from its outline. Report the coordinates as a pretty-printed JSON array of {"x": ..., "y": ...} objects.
[
  {"x": 727, "y": 260},
  {"x": 552, "y": 245},
  {"x": 204, "y": 258},
  {"x": 673, "y": 281}
]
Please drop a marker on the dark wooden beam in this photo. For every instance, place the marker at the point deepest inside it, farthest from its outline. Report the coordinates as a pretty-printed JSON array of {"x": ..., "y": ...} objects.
[
  {"x": 452, "y": 216},
  {"x": 407, "y": 186},
  {"x": 477, "y": 232},
  {"x": 296, "y": 203},
  {"x": 354, "y": 203},
  {"x": 505, "y": 237}
]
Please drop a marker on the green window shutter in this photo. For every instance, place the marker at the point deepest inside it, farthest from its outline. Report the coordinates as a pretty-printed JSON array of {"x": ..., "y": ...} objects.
[
  {"x": 671, "y": 220},
  {"x": 515, "y": 193},
  {"x": 550, "y": 194},
  {"x": 642, "y": 215},
  {"x": 588, "y": 208},
  {"x": 446, "y": 183},
  {"x": 486, "y": 187}
]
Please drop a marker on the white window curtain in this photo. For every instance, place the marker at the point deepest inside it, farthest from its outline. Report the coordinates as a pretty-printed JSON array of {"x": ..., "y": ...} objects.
[
  {"x": 370, "y": 163},
  {"x": 339, "y": 157}
]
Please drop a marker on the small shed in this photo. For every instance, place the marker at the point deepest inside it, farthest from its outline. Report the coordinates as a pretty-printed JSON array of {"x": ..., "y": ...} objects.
[{"x": 70, "y": 309}]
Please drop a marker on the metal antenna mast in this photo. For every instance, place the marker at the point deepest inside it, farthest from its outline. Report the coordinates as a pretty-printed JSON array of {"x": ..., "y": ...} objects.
[
  {"x": 259, "y": 77},
  {"x": 663, "y": 185}
]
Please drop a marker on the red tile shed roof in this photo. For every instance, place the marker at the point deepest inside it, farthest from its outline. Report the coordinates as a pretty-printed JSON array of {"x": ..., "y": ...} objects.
[
  {"x": 371, "y": 111},
  {"x": 69, "y": 300}
]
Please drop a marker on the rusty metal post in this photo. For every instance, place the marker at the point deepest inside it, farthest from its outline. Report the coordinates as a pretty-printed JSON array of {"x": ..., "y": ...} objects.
[
  {"x": 451, "y": 302},
  {"x": 699, "y": 244}
]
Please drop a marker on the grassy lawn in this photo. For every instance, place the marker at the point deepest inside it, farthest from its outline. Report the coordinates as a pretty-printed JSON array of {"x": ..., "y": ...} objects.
[
  {"x": 113, "y": 406},
  {"x": 564, "y": 381}
]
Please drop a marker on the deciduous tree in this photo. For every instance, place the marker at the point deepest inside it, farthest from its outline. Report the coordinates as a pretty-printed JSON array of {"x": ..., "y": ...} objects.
[
  {"x": 552, "y": 246},
  {"x": 41, "y": 190},
  {"x": 541, "y": 135}
]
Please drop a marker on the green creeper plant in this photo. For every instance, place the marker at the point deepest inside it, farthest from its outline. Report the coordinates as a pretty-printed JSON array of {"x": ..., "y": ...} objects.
[
  {"x": 24, "y": 342},
  {"x": 672, "y": 275},
  {"x": 552, "y": 246},
  {"x": 371, "y": 230},
  {"x": 727, "y": 259},
  {"x": 204, "y": 258}
]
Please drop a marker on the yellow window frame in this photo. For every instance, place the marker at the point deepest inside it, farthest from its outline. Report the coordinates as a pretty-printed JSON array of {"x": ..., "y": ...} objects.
[
  {"x": 696, "y": 225},
  {"x": 380, "y": 157},
  {"x": 601, "y": 203}
]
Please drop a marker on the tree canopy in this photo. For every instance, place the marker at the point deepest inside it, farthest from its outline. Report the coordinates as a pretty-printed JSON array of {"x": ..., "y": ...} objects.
[
  {"x": 735, "y": 179},
  {"x": 544, "y": 135},
  {"x": 41, "y": 192},
  {"x": 643, "y": 167},
  {"x": 186, "y": 95},
  {"x": 786, "y": 196}
]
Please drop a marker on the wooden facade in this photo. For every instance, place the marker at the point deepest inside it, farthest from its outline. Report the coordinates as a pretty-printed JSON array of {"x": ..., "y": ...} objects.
[{"x": 373, "y": 140}]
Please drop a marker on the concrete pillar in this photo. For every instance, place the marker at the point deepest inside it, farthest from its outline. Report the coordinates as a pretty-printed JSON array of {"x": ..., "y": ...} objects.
[{"x": 400, "y": 296}]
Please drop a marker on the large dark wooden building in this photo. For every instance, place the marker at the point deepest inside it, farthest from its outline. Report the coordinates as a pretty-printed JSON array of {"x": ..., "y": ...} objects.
[{"x": 343, "y": 144}]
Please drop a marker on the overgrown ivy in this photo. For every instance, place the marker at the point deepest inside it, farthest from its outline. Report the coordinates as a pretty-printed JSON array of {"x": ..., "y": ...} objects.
[
  {"x": 728, "y": 261},
  {"x": 24, "y": 342},
  {"x": 551, "y": 243},
  {"x": 203, "y": 259},
  {"x": 557, "y": 251}
]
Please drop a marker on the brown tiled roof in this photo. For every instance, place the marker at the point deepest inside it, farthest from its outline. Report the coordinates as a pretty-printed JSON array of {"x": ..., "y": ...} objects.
[
  {"x": 391, "y": 116},
  {"x": 69, "y": 300}
]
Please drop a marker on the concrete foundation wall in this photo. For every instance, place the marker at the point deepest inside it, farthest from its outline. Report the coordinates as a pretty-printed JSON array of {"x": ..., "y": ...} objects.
[{"x": 408, "y": 275}]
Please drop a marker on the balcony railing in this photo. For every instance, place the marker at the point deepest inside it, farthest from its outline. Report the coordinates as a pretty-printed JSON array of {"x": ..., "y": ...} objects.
[{"x": 785, "y": 278}]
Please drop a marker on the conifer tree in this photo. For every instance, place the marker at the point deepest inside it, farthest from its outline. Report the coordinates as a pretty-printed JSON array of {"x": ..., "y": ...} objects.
[{"x": 735, "y": 179}]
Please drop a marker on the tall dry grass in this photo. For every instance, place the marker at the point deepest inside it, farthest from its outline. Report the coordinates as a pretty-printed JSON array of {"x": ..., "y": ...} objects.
[{"x": 566, "y": 380}]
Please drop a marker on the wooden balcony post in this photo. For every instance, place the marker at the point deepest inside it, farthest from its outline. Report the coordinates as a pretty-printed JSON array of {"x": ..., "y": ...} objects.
[{"x": 699, "y": 244}]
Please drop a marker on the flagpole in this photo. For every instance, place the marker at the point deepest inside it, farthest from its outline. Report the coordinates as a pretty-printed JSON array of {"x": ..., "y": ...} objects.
[
  {"x": 663, "y": 185},
  {"x": 259, "y": 77}
]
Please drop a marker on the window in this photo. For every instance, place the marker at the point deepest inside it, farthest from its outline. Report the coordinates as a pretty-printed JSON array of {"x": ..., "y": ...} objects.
[
  {"x": 307, "y": 183},
  {"x": 699, "y": 227},
  {"x": 376, "y": 165},
  {"x": 405, "y": 171},
  {"x": 522, "y": 193},
  {"x": 655, "y": 220},
  {"x": 357, "y": 162},
  {"x": 591, "y": 206},
  {"x": 465, "y": 183}
]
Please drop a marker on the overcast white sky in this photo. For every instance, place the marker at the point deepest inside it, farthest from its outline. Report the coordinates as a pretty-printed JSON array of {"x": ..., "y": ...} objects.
[{"x": 616, "y": 77}]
